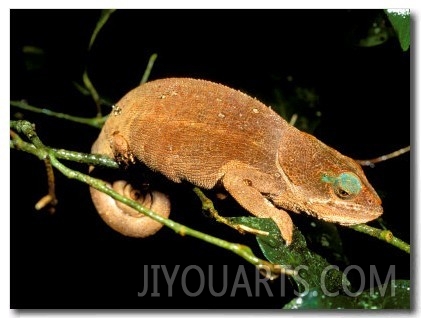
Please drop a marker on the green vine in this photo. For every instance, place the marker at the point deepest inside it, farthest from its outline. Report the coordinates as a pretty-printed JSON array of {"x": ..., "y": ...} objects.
[{"x": 37, "y": 148}]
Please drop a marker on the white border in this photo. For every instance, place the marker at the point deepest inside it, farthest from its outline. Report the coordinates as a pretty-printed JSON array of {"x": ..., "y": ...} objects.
[
  {"x": 216, "y": 4},
  {"x": 4, "y": 115}
]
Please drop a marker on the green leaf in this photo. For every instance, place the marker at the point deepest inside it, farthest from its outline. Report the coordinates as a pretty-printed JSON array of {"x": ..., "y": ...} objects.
[
  {"x": 395, "y": 295},
  {"x": 401, "y": 22},
  {"x": 313, "y": 270},
  {"x": 324, "y": 239}
]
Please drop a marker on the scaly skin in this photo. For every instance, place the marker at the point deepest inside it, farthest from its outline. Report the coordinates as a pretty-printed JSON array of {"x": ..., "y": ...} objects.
[{"x": 210, "y": 135}]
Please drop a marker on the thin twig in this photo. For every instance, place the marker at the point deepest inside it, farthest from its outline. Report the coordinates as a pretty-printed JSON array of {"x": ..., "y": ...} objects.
[
  {"x": 148, "y": 69},
  {"x": 371, "y": 162},
  {"x": 18, "y": 144},
  {"x": 95, "y": 96},
  {"x": 96, "y": 122},
  {"x": 84, "y": 91},
  {"x": 105, "y": 15},
  {"x": 384, "y": 235},
  {"x": 50, "y": 199},
  {"x": 86, "y": 158}
]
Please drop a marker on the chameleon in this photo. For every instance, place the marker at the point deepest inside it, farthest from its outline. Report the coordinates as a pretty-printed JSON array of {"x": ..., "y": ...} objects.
[{"x": 210, "y": 135}]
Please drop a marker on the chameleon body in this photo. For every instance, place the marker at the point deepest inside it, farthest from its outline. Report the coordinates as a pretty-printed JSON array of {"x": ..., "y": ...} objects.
[{"x": 211, "y": 135}]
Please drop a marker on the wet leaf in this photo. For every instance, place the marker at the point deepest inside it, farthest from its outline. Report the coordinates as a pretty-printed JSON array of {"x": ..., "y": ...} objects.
[
  {"x": 324, "y": 239},
  {"x": 314, "y": 271},
  {"x": 395, "y": 295},
  {"x": 401, "y": 22}
]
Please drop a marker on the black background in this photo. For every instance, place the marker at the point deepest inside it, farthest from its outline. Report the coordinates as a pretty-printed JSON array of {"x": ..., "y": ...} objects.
[{"x": 73, "y": 260}]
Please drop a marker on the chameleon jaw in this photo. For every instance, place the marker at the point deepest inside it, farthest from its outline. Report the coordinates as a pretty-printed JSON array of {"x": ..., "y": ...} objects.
[{"x": 344, "y": 213}]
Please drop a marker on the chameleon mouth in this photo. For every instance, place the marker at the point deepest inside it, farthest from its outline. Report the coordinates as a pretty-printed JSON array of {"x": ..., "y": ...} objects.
[
  {"x": 351, "y": 215},
  {"x": 362, "y": 217}
]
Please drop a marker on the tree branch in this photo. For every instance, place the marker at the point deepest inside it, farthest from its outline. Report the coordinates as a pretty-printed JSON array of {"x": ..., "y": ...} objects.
[
  {"x": 36, "y": 147},
  {"x": 384, "y": 235}
]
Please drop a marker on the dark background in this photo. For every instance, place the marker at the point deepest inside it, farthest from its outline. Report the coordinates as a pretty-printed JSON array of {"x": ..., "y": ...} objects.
[{"x": 73, "y": 260}]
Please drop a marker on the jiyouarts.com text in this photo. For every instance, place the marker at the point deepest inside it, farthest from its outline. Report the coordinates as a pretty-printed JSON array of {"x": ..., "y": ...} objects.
[{"x": 218, "y": 281}]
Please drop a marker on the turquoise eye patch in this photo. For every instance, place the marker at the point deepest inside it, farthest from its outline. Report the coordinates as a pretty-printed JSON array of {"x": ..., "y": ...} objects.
[{"x": 346, "y": 185}]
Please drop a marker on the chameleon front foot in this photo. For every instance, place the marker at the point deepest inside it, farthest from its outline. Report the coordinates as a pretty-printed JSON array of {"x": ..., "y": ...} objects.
[{"x": 207, "y": 205}]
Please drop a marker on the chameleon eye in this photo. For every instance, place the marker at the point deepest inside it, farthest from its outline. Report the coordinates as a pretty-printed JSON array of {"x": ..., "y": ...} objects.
[{"x": 347, "y": 185}]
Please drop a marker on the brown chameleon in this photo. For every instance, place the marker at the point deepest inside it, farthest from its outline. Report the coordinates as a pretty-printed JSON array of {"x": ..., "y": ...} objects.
[{"x": 211, "y": 135}]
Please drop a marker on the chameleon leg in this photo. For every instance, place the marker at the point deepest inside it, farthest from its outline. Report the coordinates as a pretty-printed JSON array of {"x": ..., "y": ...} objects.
[
  {"x": 247, "y": 186},
  {"x": 207, "y": 205}
]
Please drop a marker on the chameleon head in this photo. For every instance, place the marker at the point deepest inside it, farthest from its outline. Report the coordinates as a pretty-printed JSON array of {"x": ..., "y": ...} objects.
[{"x": 326, "y": 184}]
